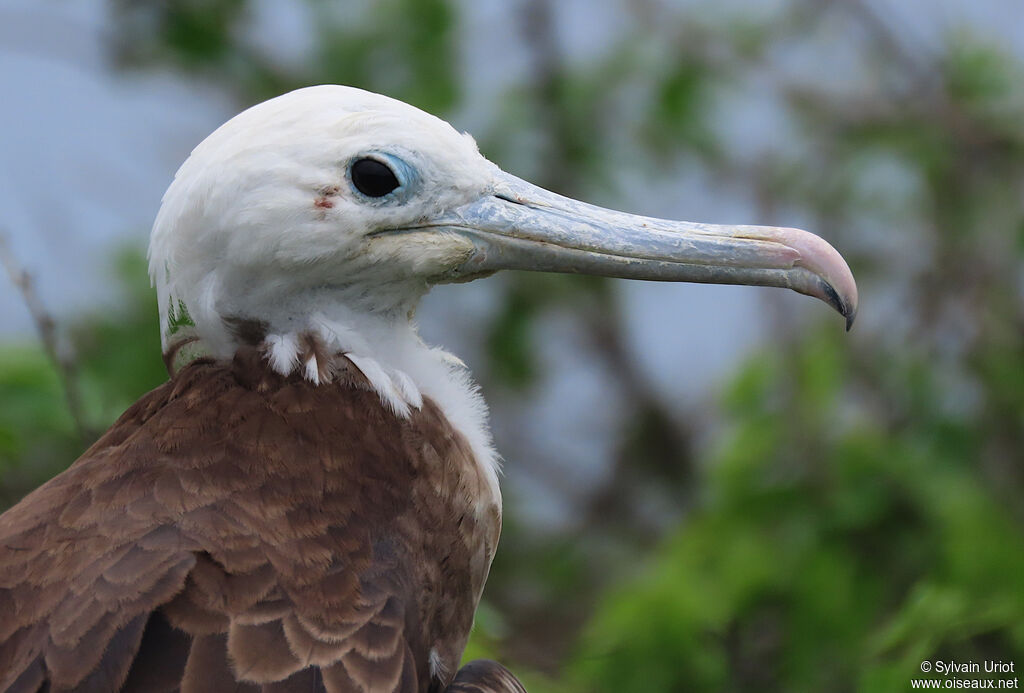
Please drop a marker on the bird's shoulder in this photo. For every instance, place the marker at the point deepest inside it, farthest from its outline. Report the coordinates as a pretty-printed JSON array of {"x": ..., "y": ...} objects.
[{"x": 249, "y": 524}]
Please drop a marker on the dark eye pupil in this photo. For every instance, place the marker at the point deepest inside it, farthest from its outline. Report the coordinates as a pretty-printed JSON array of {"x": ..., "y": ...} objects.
[{"x": 372, "y": 178}]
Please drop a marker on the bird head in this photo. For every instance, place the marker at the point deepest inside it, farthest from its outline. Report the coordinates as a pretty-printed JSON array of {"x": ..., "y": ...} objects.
[{"x": 331, "y": 198}]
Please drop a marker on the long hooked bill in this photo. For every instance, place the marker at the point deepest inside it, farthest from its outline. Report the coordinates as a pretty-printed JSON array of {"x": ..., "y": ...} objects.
[{"x": 521, "y": 226}]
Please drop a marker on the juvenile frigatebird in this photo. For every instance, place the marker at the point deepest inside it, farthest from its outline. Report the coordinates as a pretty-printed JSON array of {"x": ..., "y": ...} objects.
[{"x": 313, "y": 504}]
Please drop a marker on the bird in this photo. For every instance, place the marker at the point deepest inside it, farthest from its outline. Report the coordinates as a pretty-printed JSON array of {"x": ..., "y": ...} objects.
[{"x": 311, "y": 501}]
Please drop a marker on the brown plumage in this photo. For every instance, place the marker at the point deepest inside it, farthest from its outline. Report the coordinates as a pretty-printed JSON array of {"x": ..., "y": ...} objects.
[{"x": 241, "y": 530}]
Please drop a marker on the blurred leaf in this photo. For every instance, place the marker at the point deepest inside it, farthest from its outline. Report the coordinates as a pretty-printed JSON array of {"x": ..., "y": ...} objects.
[{"x": 118, "y": 358}]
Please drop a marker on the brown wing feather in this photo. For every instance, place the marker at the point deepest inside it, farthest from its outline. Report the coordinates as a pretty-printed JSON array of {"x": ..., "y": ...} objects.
[{"x": 238, "y": 530}]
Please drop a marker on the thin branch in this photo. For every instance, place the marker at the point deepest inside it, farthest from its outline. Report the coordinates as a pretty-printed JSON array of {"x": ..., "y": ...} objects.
[{"x": 60, "y": 354}]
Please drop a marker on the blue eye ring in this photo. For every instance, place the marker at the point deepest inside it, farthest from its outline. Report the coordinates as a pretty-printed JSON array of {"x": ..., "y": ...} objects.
[
  {"x": 381, "y": 191},
  {"x": 373, "y": 177}
]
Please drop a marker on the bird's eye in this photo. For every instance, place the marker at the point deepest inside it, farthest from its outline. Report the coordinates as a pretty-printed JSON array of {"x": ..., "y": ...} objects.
[{"x": 372, "y": 178}]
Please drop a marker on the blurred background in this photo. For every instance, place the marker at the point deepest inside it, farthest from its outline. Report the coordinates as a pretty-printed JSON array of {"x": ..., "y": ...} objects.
[{"x": 706, "y": 488}]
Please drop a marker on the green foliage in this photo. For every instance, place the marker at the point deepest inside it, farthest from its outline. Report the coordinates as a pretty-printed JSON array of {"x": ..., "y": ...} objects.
[
  {"x": 119, "y": 354},
  {"x": 403, "y": 44},
  {"x": 679, "y": 118},
  {"x": 199, "y": 30},
  {"x": 511, "y": 342},
  {"x": 37, "y": 435},
  {"x": 403, "y": 47},
  {"x": 818, "y": 559},
  {"x": 118, "y": 358}
]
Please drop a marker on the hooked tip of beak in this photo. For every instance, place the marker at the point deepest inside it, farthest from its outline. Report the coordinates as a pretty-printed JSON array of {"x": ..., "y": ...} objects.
[
  {"x": 850, "y": 317},
  {"x": 840, "y": 287},
  {"x": 833, "y": 280},
  {"x": 833, "y": 299}
]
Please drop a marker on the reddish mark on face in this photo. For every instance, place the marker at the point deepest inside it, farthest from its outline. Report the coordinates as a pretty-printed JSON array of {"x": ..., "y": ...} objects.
[{"x": 325, "y": 193}]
